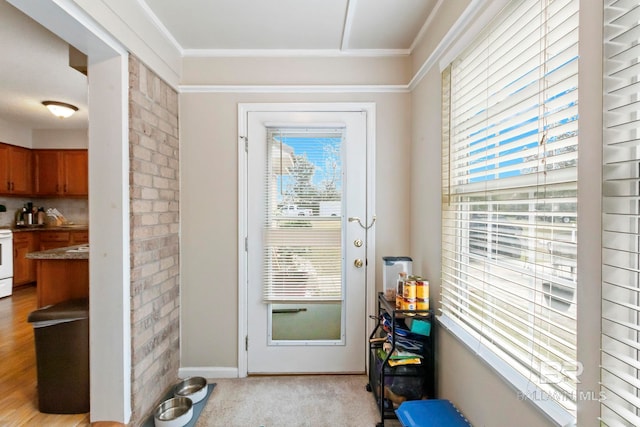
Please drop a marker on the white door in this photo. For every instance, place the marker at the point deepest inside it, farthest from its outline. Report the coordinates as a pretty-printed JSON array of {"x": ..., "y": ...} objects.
[{"x": 306, "y": 261}]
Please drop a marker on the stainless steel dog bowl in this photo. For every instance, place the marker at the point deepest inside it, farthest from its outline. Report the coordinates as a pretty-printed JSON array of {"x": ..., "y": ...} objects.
[
  {"x": 174, "y": 412},
  {"x": 195, "y": 388}
]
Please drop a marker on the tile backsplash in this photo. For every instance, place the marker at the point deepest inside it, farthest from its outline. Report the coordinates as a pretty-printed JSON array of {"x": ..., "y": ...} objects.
[{"x": 74, "y": 210}]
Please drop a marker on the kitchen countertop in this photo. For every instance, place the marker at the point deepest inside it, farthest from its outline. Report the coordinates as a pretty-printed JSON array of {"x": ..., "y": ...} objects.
[
  {"x": 68, "y": 252},
  {"x": 75, "y": 227}
]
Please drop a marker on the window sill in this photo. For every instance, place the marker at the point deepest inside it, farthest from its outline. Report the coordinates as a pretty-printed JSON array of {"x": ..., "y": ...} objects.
[{"x": 526, "y": 390}]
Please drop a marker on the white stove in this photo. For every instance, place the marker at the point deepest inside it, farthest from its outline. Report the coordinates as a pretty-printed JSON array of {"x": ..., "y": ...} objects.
[{"x": 6, "y": 263}]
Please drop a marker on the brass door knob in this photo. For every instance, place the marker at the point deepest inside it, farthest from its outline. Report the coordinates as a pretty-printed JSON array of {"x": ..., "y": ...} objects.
[{"x": 358, "y": 263}]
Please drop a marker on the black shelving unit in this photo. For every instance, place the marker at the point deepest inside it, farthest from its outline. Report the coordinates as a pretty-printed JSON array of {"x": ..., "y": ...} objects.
[{"x": 413, "y": 381}]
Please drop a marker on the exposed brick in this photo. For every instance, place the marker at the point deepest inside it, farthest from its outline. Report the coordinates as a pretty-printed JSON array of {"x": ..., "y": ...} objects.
[
  {"x": 155, "y": 259},
  {"x": 140, "y": 152},
  {"x": 159, "y": 206},
  {"x": 150, "y": 193},
  {"x": 142, "y": 179},
  {"x": 150, "y": 143},
  {"x": 140, "y": 101},
  {"x": 160, "y": 159}
]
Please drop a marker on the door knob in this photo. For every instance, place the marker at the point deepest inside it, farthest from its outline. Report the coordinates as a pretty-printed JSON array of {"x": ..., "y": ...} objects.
[{"x": 358, "y": 263}]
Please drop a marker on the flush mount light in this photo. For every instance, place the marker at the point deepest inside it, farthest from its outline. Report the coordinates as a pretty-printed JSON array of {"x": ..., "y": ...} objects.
[{"x": 60, "y": 109}]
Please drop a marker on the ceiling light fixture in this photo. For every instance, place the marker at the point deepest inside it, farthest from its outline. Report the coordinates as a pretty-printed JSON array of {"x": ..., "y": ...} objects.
[{"x": 60, "y": 109}]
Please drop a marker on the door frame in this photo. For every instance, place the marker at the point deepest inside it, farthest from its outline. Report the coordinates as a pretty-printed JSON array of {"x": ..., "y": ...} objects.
[
  {"x": 243, "y": 110},
  {"x": 109, "y": 311}
]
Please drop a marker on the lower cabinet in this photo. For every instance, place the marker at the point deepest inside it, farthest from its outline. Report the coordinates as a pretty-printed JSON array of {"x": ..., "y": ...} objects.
[
  {"x": 60, "y": 239},
  {"x": 24, "y": 270},
  {"x": 62, "y": 279},
  {"x": 24, "y": 242}
]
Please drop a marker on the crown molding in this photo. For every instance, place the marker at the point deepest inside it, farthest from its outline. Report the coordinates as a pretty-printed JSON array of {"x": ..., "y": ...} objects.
[
  {"x": 294, "y": 89},
  {"x": 160, "y": 26},
  {"x": 292, "y": 53},
  {"x": 462, "y": 23},
  {"x": 426, "y": 25}
]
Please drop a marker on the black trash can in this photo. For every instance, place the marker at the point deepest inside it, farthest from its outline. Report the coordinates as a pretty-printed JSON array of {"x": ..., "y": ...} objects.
[{"x": 62, "y": 356}]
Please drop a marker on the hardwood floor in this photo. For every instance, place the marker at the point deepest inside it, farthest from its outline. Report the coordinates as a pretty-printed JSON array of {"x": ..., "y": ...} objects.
[{"x": 18, "y": 393}]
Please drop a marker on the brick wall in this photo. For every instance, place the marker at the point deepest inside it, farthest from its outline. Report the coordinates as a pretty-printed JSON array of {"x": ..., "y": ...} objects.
[{"x": 155, "y": 252}]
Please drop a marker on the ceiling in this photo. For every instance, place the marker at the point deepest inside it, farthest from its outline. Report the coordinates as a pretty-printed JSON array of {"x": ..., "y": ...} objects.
[
  {"x": 329, "y": 25},
  {"x": 34, "y": 62},
  {"x": 34, "y": 68}
]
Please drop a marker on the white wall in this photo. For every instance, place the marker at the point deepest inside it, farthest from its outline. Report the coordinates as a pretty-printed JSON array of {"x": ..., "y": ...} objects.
[
  {"x": 12, "y": 133},
  {"x": 395, "y": 70},
  {"x": 72, "y": 138}
]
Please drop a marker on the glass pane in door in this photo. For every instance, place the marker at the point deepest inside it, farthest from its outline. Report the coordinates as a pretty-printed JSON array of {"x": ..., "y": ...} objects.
[
  {"x": 303, "y": 234},
  {"x": 306, "y": 322}
]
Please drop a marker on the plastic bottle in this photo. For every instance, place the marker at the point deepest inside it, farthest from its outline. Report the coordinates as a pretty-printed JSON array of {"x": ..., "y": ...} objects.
[
  {"x": 402, "y": 276},
  {"x": 41, "y": 216}
]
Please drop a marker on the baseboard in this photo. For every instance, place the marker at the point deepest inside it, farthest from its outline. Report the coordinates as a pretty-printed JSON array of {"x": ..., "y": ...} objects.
[{"x": 208, "y": 372}]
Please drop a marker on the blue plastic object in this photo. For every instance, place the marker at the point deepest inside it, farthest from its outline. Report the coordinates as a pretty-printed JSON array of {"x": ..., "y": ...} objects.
[
  {"x": 421, "y": 327},
  {"x": 430, "y": 413}
]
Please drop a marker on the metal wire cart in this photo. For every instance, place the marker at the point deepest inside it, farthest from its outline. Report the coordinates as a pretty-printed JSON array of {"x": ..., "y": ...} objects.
[{"x": 401, "y": 357}]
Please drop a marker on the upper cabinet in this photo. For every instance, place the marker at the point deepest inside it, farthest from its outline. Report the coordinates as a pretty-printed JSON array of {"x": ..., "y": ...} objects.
[
  {"x": 75, "y": 172},
  {"x": 46, "y": 172},
  {"x": 16, "y": 170},
  {"x": 51, "y": 173},
  {"x": 61, "y": 172}
]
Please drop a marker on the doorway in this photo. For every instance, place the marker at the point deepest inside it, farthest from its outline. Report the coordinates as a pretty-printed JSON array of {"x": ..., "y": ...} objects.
[
  {"x": 308, "y": 178},
  {"x": 109, "y": 213}
]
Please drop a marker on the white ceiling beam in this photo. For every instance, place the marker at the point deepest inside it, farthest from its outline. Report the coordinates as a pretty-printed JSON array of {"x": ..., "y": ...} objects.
[{"x": 348, "y": 24}]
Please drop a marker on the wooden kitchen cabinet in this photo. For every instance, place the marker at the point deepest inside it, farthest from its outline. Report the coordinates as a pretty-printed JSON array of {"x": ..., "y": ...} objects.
[
  {"x": 54, "y": 239},
  {"x": 61, "y": 172},
  {"x": 61, "y": 280},
  {"x": 15, "y": 170},
  {"x": 60, "y": 239},
  {"x": 75, "y": 172},
  {"x": 24, "y": 270},
  {"x": 79, "y": 238},
  {"x": 46, "y": 172},
  {"x": 61, "y": 275}
]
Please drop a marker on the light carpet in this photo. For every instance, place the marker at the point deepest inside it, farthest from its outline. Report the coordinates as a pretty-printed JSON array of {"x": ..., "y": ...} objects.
[{"x": 292, "y": 401}]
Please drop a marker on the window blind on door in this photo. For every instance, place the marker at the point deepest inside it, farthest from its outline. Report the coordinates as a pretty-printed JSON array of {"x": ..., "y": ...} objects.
[
  {"x": 303, "y": 228},
  {"x": 620, "y": 358},
  {"x": 510, "y": 139}
]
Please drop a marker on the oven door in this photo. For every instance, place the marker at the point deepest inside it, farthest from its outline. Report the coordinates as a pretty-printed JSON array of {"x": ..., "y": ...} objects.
[{"x": 6, "y": 254}]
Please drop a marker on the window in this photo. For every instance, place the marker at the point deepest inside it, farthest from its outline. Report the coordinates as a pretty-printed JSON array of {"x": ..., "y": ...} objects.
[
  {"x": 303, "y": 228},
  {"x": 620, "y": 373},
  {"x": 510, "y": 153}
]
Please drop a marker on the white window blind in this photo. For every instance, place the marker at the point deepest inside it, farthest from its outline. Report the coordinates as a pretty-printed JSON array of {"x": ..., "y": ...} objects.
[
  {"x": 620, "y": 373},
  {"x": 302, "y": 230},
  {"x": 510, "y": 139}
]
